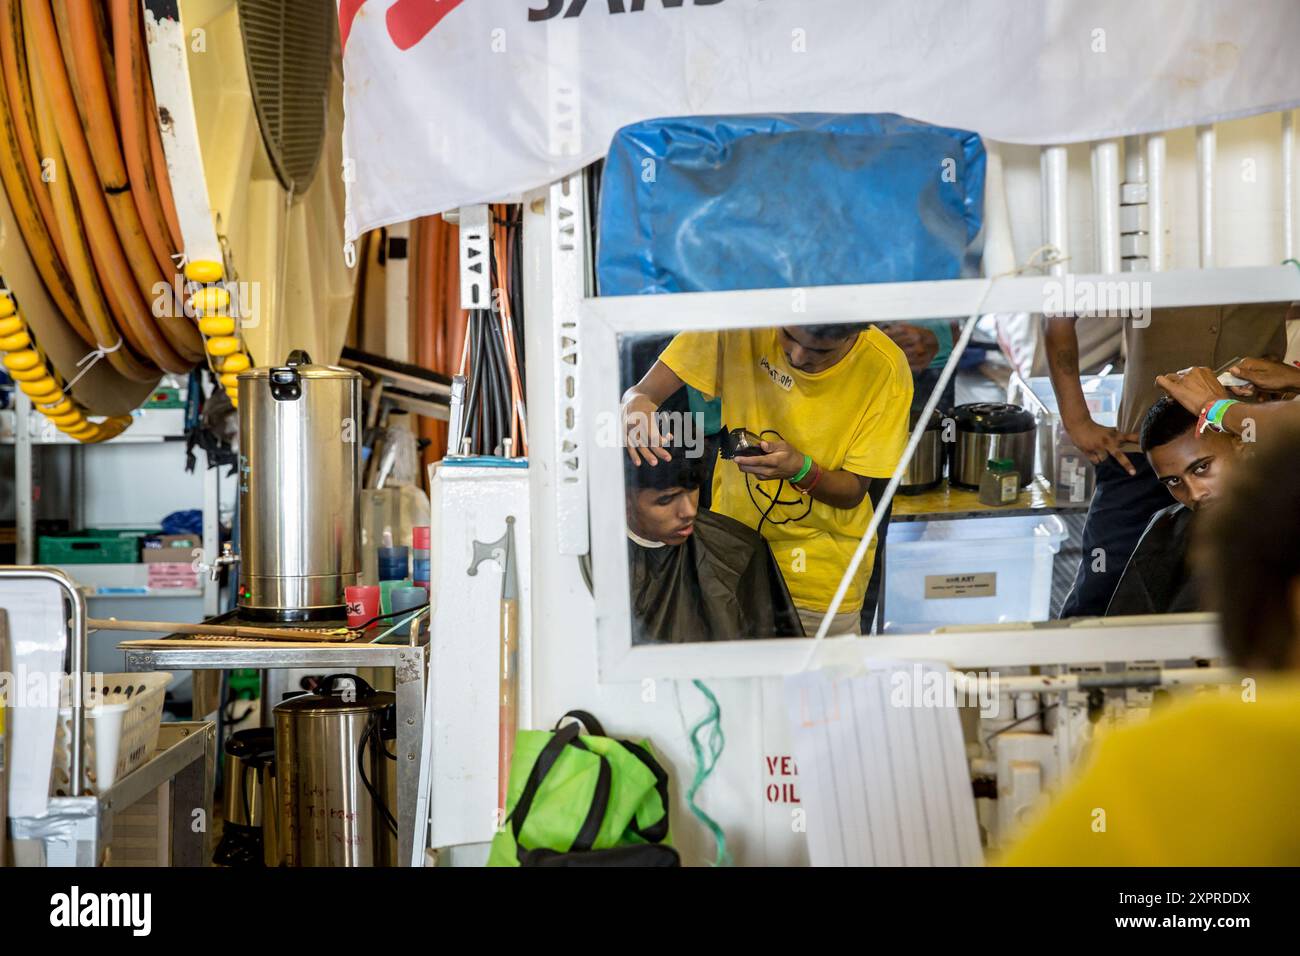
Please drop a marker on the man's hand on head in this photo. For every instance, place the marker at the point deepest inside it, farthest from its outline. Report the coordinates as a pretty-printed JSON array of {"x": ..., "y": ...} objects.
[
  {"x": 644, "y": 443},
  {"x": 1193, "y": 388}
]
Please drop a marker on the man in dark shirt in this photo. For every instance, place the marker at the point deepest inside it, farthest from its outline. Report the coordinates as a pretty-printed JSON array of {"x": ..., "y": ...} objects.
[
  {"x": 1193, "y": 466},
  {"x": 697, "y": 575}
]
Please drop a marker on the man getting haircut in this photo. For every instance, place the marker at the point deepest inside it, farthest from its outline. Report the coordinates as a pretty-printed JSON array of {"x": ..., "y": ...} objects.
[
  {"x": 1193, "y": 467},
  {"x": 697, "y": 575}
]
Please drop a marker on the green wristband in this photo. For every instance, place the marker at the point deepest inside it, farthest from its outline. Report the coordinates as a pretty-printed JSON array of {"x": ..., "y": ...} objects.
[{"x": 803, "y": 472}]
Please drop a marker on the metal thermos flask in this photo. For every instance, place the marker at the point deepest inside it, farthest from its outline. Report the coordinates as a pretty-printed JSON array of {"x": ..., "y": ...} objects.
[
  {"x": 250, "y": 755},
  {"x": 299, "y": 431},
  {"x": 337, "y": 787}
]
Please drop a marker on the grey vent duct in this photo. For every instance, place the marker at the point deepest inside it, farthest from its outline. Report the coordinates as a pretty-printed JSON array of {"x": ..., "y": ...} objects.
[{"x": 288, "y": 45}]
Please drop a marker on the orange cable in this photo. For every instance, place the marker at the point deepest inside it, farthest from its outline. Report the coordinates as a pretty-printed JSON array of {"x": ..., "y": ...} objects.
[
  {"x": 100, "y": 132},
  {"x": 80, "y": 266},
  {"x": 134, "y": 119},
  {"x": 94, "y": 208}
]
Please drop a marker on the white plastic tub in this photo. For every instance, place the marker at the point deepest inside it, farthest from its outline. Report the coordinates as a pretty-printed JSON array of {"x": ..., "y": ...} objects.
[
  {"x": 969, "y": 571},
  {"x": 123, "y": 716}
]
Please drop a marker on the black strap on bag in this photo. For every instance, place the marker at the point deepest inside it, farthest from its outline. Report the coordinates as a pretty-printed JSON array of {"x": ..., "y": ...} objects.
[
  {"x": 659, "y": 830},
  {"x": 589, "y": 723},
  {"x": 586, "y": 838}
]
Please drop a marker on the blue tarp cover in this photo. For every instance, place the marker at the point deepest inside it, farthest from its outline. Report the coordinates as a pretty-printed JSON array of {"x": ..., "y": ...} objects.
[{"x": 715, "y": 203}]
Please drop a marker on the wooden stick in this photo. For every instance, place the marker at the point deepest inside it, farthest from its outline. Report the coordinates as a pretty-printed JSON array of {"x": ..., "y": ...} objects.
[{"x": 220, "y": 630}]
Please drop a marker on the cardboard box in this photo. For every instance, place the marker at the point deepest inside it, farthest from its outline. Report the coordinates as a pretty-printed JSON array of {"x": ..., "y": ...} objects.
[{"x": 170, "y": 548}]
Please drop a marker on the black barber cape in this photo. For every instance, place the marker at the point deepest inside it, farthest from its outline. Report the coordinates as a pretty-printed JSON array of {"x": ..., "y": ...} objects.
[
  {"x": 1157, "y": 579},
  {"x": 721, "y": 585}
]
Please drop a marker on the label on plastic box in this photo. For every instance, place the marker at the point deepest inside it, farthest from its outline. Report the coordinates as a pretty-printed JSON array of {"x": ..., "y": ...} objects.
[{"x": 940, "y": 586}]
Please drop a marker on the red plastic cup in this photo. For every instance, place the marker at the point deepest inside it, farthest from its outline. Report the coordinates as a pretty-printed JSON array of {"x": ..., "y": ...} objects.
[{"x": 363, "y": 603}]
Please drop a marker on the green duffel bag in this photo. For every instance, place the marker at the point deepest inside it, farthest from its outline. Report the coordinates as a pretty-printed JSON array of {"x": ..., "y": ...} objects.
[{"x": 584, "y": 799}]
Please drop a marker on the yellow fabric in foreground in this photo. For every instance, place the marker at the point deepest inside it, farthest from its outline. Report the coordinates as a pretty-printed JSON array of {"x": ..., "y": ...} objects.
[
  {"x": 852, "y": 417},
  {"x": 1213, "y": 781}
]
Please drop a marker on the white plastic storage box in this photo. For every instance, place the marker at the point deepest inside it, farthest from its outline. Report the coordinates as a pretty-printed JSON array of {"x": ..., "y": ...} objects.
[
  {"x": 969, "y": 571},
  {"x": 1102, "y": 395}
]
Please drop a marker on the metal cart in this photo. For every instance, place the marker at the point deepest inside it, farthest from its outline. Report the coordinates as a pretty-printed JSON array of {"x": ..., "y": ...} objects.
[
  {"x": 75, "y": 830},
  {"x": 408, "y": 665}
]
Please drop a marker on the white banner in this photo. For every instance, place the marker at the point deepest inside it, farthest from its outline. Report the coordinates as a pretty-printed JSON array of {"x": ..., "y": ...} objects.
[{"x": 452, "y": 102}]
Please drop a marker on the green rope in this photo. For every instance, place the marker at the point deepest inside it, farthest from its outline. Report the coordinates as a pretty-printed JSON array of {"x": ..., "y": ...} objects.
[
  {"x": 704, "y": 765},
  {"x": 1292, "y": 262}
]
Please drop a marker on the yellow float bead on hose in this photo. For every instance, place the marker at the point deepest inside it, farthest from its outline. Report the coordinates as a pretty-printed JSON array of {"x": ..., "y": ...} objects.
[
  {"x": 7, "y": 307},
  {"x": 37, "y": 397},
  {"x": 23, "y": 361},
  {"x": 14, "y": 342},
  {"x": 42, "y": 386},
  {"x": 29, "y": 374},
  {"x": 223, "y": 345},
  {"x": 230, "y": 380},
  {"x": 42, "y": 383},
  {"x": 68, "y": 420},
  {"x": 11, "y": 324},
  {"x": 61, "y": 408},
  {"x": 217, "y": 325},
  {"x": 236, "y": 362},
  {"x": 203, "y": 270},
  {"x": 210, "y": 300}
]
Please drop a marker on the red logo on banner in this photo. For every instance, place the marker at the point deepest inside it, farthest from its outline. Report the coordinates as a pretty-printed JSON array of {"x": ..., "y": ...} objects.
[{"x": 408, "y": 21}]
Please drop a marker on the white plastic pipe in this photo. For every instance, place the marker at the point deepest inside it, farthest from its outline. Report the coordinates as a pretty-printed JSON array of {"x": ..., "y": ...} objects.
[
  {"x": 1205, "y": 147},
  {"x": 1054, "y": 171},
  {"x": 999, "y": 249},
  {"x": 1156, "y": 200},
  {"x": 1105, "y": 203},
  {"x": 1288, "y": 184},
  {"x": 1135, "y": 160}
]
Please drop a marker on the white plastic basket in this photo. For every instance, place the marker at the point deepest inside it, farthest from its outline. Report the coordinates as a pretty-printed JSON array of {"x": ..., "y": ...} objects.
[{"x": 123, "y": 713}]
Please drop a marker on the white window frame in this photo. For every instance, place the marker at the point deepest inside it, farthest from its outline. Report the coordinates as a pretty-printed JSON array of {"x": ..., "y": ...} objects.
[{"x": 603, "y": 320}]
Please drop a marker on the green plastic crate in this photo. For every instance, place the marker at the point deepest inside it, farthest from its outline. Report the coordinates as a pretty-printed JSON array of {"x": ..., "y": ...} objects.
[
  {"x": 93, "y": 546},
  {"x": 165, "y": 397}
]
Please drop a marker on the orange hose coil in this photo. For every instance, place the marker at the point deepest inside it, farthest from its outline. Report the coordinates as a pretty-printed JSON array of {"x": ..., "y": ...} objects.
[{"x": 27, "y": 366}]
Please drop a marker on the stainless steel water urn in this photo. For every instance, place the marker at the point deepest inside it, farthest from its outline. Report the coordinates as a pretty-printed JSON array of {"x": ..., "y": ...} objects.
[
  {"x": 299, "y": 431},
  {"x": 337, "y": 802}
]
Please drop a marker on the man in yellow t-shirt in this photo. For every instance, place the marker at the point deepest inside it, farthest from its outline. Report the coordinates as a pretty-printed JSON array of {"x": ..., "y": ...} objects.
[
  {"x": 831, "y": 404},
  {"x": 1213, "y": 781}
]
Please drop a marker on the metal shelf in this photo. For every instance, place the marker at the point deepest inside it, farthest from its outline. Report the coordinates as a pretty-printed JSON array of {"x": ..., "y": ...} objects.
[
  {"x": 75, "y": 830},
  {"x": 150, "y": 425},
  {"x": 121, "y": 581},
  {"x": 24, "y": 429}
]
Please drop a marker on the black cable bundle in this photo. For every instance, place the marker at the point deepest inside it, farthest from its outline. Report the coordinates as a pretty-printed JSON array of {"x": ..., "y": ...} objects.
[{"x": 495, "y": 363}]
